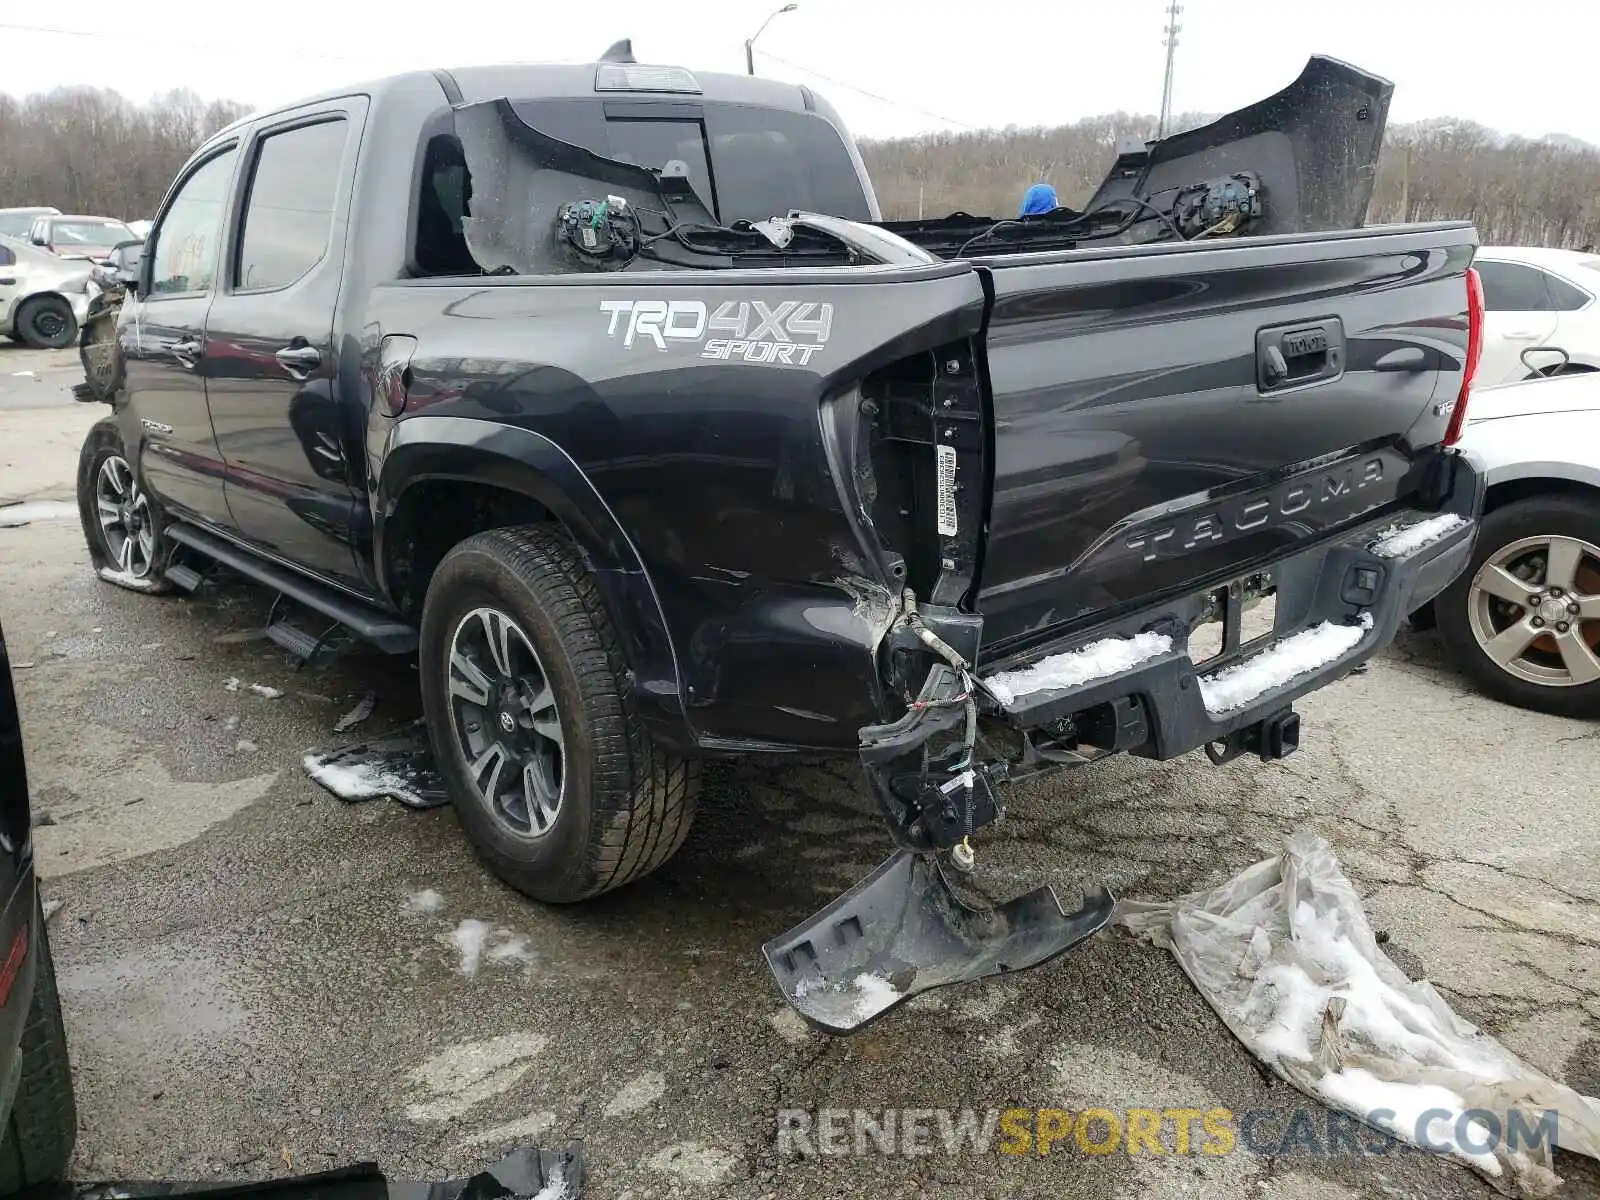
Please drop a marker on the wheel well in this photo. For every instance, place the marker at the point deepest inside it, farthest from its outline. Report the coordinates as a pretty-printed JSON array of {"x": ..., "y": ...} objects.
[
  {"x": 1501, "y": 494},
  {"x": 436, "y": 514}
]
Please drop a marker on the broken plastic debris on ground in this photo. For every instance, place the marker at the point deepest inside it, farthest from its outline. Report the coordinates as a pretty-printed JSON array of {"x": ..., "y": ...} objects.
[
  {"x": 1397, "y": 542},
  {"x": 527, "y": 1173},
  {"x": 1097, "y": 660},
  {"x": 1235, "y": 686},
  {"x": 1284, "y": 953},
  {"x": 399, "y": 768}
]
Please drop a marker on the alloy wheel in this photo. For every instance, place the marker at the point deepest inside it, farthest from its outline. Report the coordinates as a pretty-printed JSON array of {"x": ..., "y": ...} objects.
[
  {"x": 503, "y": 711},
  {"x": 1534, "y": 608},
  {"x": 126, "y": 523}
]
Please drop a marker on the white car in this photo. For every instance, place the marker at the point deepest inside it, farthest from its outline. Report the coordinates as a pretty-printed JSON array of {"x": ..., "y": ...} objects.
[
  {"x": 43, "y": 299},
  {"x": 1534, "y": 299},
  {"x": 1523, "y": 619}
]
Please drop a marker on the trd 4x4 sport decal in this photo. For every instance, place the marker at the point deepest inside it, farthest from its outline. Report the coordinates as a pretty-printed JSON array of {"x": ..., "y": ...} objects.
[{"x": 787, "y": 333}]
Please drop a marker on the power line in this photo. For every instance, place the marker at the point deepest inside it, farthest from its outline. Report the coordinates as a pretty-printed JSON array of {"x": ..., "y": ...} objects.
[
  {"x": 163, "y": 40},
  {"x": 870, "y": 95}
]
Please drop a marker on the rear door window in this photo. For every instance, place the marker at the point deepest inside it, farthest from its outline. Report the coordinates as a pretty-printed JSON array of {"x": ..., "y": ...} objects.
[
  {"x": 750, "y": 163},
  {"x": 1512, "y": 287},
  {"x": 1563, "y": 296},
  {"x": 289, "y": 210}
]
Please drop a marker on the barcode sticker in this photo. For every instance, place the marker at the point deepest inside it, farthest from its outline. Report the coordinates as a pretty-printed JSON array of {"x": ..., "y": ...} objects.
[{"x": 947, "y": 490}]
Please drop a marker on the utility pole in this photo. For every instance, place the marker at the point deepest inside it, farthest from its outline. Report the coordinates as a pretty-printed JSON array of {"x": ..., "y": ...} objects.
[
  {"x": 1171, "y": 43},
  {"x": 750, "y": 42}
]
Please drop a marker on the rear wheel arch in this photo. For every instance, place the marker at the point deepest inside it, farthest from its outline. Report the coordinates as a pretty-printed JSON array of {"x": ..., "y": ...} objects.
[{"x": 446, "y": 479}]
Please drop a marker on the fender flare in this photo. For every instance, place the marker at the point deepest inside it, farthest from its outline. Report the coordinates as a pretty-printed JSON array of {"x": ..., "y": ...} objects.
[{"x": 424, "y": 448}]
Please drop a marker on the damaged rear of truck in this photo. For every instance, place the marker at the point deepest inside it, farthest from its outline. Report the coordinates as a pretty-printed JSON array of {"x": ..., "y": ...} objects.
[
  {"x": 971, "y": 499},
  {"x": 975, "y": 516}
]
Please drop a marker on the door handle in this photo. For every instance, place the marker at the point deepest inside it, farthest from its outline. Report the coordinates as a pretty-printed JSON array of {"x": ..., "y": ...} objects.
[
  {"x": 187, "y": 352},
  {"x": 299, "y": 361},
  {"x": 1299, "y": 355}
]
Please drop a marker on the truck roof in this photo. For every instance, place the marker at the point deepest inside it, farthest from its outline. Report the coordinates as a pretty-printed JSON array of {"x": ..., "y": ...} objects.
[{"x": 527, "y": 81}]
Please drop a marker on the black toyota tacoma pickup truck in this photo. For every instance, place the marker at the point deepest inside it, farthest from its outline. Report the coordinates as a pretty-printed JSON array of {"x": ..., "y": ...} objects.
[{"x": 605, "y": 391}]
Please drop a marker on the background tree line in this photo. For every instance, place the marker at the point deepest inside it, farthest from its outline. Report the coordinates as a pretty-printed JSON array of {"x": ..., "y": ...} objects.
[{"x": 90, "y": 150}]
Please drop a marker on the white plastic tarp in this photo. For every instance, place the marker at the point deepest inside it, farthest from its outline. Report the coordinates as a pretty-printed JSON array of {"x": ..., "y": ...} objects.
[{"x": 1284, "y": 953}]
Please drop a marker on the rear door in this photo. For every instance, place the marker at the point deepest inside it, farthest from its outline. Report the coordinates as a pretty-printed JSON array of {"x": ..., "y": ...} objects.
[
  {"x": 1143, "y": 448},
  {"x": 272, "y": 365},
  {"x": 162, "y": 341},
  {"x": 1518, "y": 315}
]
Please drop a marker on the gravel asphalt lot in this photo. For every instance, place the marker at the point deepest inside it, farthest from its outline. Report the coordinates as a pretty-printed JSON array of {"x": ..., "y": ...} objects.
[{"x": 252, "y": 986}]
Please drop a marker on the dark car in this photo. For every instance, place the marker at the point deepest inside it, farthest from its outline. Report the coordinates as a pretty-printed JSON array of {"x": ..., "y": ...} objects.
[{"x": 41, "y": 1119}]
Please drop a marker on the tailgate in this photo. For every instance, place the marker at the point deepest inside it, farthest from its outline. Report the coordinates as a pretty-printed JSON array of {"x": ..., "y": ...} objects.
[{"x": 1169, "y": 418}]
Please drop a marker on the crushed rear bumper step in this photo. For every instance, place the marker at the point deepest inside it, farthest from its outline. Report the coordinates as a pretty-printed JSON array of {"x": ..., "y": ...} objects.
[{"x": 903, "y": 931}]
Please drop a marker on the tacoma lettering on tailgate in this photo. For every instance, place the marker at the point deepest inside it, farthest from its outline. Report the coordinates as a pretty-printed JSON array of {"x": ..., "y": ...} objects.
[{"x": 1334, "y": 495}]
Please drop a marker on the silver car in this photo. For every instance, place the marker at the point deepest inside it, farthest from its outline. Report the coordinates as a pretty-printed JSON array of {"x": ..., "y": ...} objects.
[
  {"x": 43, "y": 299},
  {"x": 17, "y": 222}
]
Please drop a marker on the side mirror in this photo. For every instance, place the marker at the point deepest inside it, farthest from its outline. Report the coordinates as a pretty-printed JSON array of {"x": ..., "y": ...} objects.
[
  {"x": 127, "y": 260},
  {"x": 37, "y": 239}
]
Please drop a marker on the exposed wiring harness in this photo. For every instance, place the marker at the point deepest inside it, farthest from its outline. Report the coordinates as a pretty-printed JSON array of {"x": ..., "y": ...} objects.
[{"x": 1141, "y": 203}]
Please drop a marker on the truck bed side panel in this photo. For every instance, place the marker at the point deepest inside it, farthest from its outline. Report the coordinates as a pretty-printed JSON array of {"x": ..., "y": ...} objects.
[
  {"x": 721, "y": 464},
  {"x": 1135, "y": 452}
]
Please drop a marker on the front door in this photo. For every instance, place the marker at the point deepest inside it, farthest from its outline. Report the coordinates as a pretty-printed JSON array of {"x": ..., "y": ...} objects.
[
  {"x": 272, "y": 365},
  {"x": 163, "y": 342}
]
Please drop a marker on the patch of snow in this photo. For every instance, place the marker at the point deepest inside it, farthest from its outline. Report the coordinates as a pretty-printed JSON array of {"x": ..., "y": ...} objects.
[
  {"x": 468, "y": 938},
  {"x": 1358, "y": 1091},
  {"x": 50, "y": 907},
  {"x": 556, "y": 1187},
  {"x": 37, "y": 510},
  {"x": 790, "y": 1026},
  {"x": 245, "y": 746},
  {"x": 510, "y": 948},
  {"x": 850, "y": 1002},
  {"x": 269, "y": 693},
  {"x": 1398, "y": 541},
  {"x": 638, "y": 1094},
  {"x": 694, "y": 1163},
  {"x": 133, "y": 583},
  {"x": 233, "y": 684},
  {"x": 1097, "y": 660},
  {"x": 360, "y": 780},
  {"x": 425, "y": 901},
  {"x": 23, "y": 375},
  {"x": 464, "y": 1075},
  {"x": 1311, "y": 649}
]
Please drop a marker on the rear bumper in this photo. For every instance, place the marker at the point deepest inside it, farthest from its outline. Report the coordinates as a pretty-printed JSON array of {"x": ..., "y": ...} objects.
[{"x": 1360, "y": 583}]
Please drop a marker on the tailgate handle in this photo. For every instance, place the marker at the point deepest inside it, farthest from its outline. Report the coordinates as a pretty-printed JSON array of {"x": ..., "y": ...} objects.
[{"x": 1293, "y": 356}]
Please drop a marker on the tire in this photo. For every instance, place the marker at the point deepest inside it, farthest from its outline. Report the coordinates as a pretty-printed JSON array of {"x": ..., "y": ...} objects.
[
  {"x": 46, "y": 323},
  {"x": 1558, "y": 670},
  {"x": 43, "y": 1123},
  {"x": 616, "y": 806},
  {"x": 109, "y": 540}
]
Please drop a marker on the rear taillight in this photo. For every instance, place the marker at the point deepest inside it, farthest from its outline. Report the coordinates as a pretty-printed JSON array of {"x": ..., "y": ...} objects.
[{"x": 1469, "y": 368}]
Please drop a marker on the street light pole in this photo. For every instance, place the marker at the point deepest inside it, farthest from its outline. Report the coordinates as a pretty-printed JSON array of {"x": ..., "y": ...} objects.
[
  {"x": 750, "y": 42},
  {"x": 1173, "y": 9}
]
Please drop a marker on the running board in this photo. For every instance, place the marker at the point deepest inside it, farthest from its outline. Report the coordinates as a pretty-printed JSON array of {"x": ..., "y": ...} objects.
[
  {"x": 903, "y": 931},
  {"x": 364, "y": 620}
]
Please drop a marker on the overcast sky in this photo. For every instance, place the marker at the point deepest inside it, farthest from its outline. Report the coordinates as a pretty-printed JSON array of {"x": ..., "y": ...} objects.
[{"x": 889, "y": 66}]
